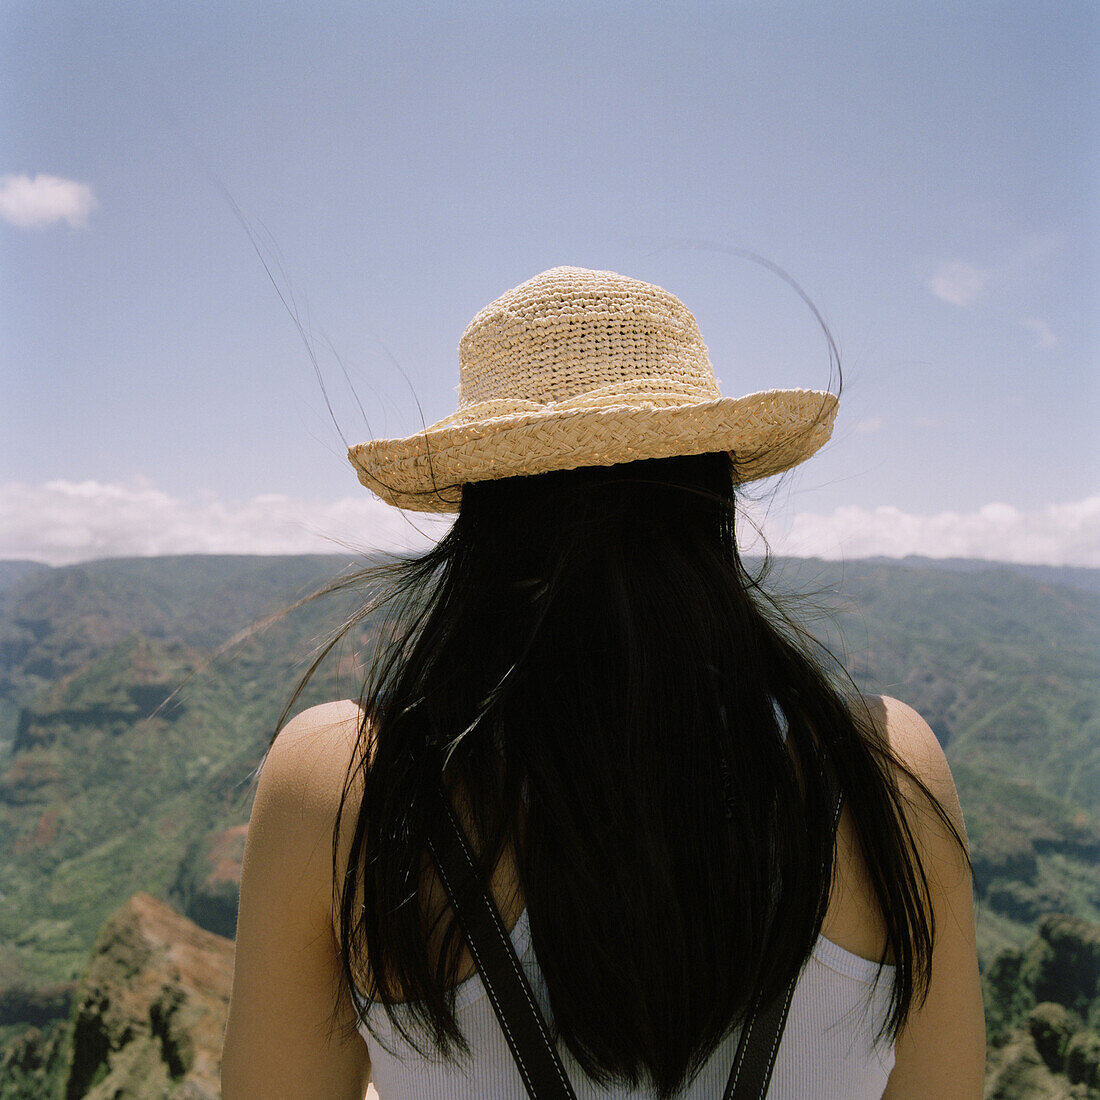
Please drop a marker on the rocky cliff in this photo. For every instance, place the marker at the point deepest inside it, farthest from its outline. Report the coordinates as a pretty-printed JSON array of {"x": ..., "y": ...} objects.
[
  {"x": 148, "y": 1016},
  {"x": 208, "y": 882}
]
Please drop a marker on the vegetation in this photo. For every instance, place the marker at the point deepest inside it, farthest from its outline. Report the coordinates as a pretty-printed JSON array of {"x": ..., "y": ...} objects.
[
  {"x": 127, "y": 747},
  {"x": 111, "y": 774},
  {"x": 1043, "y": 1012}
]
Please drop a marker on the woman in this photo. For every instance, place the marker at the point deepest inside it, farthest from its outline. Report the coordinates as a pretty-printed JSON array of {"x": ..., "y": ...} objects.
[{"x": 646, "y": 757}]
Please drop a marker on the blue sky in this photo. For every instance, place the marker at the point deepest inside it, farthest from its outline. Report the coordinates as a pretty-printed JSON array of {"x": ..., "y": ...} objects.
[{"x": 927, "y": 172}]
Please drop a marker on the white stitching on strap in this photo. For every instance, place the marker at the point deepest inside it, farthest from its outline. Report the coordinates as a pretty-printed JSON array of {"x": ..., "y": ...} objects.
[
  {"x": 783, "y": 1020},
  {"x": 488, "y": 985},
  {"x": 743, "y": 1042}
]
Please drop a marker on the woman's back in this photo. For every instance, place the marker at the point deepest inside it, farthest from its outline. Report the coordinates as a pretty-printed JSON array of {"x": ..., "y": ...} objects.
[
  {"x": 852, "y": 922},
  {"x": 830, "y": 1032},
  {"x": 828, "y": 1049},
  {"x": 831, "y": 1047}
]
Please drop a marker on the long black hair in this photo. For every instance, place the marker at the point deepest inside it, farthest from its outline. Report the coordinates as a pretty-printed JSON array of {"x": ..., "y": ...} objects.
[{"x": 587, "y": 658}]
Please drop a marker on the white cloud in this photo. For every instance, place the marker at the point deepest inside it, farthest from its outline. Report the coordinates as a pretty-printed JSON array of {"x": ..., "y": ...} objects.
[
  {"x": 868, "y": 426},
  {"x": 962, "y": 283},
  {"x": 959, "y": 283},
  {"x": 1044, "y": 337},
  {"x": 63, "y": 522},
  {"x": 1060, "y": 534},
  {"x": 30, "y": 203}
]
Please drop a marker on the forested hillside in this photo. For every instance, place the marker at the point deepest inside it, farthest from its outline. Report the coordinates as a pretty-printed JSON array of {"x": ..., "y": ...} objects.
[{"x": 130, "y": 728}]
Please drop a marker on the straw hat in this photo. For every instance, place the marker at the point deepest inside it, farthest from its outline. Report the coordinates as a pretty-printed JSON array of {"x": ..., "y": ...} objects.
[{"x": 587, "y": 368}]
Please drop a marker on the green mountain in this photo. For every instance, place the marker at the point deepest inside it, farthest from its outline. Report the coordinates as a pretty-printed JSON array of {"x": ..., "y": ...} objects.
[
  {"x": 115, "y": 779},
  {"x": 13, "y": 570},
  {"x": 1067, "y": 576},
  {"x": 126, "y": 745}
]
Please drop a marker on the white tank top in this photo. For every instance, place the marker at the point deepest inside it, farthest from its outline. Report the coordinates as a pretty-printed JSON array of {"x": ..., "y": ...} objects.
[{"x": 827, "y": 1051}]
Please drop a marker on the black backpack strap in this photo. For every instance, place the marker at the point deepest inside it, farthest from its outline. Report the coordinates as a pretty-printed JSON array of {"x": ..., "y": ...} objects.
[
  {"x": 755, "y": 1059},
  {"x": 495, "y": 957},
  {"x": 763, "y": 1028}
]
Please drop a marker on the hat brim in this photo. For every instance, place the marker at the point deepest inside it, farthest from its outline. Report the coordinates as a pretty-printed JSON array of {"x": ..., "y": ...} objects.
[{"x": 767, "y": 432}]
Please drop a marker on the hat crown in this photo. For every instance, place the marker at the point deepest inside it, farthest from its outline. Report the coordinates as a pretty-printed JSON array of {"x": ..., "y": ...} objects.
[{"x": 571, "y": 331}]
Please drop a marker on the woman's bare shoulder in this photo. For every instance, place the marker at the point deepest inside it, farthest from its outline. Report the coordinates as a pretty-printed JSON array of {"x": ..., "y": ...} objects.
[
  {"x": 916, "y": 746},
  {"x": 307, "y": 763}
]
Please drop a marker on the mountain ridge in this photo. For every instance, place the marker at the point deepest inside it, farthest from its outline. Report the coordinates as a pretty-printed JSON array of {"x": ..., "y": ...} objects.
[
  {"x": 1083, "y": 577},
  {"x": 101, "y": 798}
]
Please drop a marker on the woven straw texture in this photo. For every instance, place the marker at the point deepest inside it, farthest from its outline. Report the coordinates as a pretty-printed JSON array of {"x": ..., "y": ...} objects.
[{"x": 587, "y": 368}]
